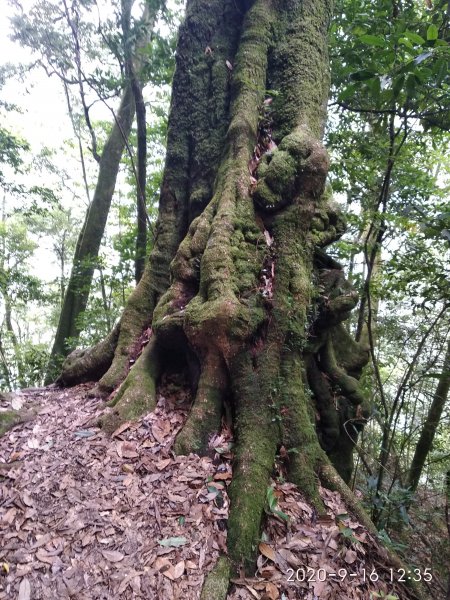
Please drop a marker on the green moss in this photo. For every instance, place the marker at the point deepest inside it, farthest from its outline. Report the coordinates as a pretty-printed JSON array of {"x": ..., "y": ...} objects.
[
  {"x": 206, "y": 413},
  {"x": 299, "y": 67},
  {"x": 8, "y": 419},
  {"x": 136, "y": 395},
  {"x": 299, "y": 431},
  {"x": 217, "y": 581}
]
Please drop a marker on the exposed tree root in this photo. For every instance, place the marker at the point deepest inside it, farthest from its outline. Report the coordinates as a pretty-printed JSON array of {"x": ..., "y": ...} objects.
[
  {"x": 206, "y": 413},
  {"x": 10, "y": 418},
  {"x": 135, "y": 319},
  {"x": 137, "y": 394},
  {"x": 217, "y": 581},
  {"x": 91, "y": 363}
]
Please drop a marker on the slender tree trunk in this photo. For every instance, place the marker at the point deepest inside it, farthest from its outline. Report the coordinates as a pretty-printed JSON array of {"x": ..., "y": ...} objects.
[
  {"x": 15, "y": 342},
  {"x": 89, "y": 240},
  {"x": 141, "y": 175},
  {"x": 431, "y": 423}
]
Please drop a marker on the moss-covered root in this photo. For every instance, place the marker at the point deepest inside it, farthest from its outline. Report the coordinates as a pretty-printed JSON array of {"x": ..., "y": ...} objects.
[
  {"x": 331, "y": 480},
  {"x": 299, "y": 435},
  {"x": 257, "y": 439},
  {"x": 217, "y": 581},
  {"x": 137, "y": 394},
  {"x": 10, "y": 418},
  {"x": 206, "y": 413},
  {"x": 91, "y": 363}
]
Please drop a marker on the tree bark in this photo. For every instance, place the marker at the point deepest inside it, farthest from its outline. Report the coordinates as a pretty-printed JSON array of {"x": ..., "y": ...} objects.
[{"x": 141, "y": 175}]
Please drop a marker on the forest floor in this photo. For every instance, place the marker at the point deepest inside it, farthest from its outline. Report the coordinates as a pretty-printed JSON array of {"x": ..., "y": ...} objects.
[{"x": 91, "y": 517}]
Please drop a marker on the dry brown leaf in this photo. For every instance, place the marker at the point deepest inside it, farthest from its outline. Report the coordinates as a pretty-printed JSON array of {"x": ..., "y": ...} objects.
[
  {"x": 9, "y": 517},
  {"x": 267, "y": 551},
  {"x": 179, "y": 569},
  {"x": 223, "y": 476},
  {"x": 121, "y": 429},
  {"x": 24, "y": 590},
  {"x": 319, "y": 588},
  {"x": 129, "y": 450},
  {"x": 350, "y": 556},
  {"x": 252, "y": 591},
  {"x": 45, "y": 557},
  {"x": 162, "y": 464},
  {"x": 272, "y": 591},
  {"x": 113, "y": 555},
  {"x": 160, "y": 563},
  {"x": 175, "y": 572},
  {"x": 290, "y": 557}
]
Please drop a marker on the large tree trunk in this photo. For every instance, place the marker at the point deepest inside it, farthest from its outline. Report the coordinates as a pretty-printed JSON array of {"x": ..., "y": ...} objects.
[{"x": 253, "y": 303}]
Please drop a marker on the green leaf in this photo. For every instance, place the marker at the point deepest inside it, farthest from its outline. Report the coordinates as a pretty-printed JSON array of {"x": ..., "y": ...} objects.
[
  {"x": 406, "y": 42},
  {"x": 174, "y": 542},
  {"x": 432, "y": 32},
  {"x": 362, "y": 75},
  {"x": 372, "y": 40},
  {"x": 281, "y": 514},
  {"x": 348, "y": 92},
  {"x": 398, "y": 85},
  {"x": 415, "y": 38}
]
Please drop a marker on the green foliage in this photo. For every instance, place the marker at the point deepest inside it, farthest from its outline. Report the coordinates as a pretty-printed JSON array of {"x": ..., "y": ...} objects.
[
  {"x": 394, "y": 58},
  {"x": 272, "y": 504}
]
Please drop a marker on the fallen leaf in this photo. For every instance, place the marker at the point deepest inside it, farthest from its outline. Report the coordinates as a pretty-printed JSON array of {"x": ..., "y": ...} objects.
[
  {"x": 129, "y": 450},
  {"x": 350, "y": 557},
  {"x": 121, "y": 429},
  {"x": 27, "y": 499},
  {"x": 272, "y": 591},
  {"x": 173, "y": 542},
  {"x": 162, "y": 464},
  {"x": 113, "y": 555},
  {"x": 24, "y": 590},
  {"x": 267, "y": 551},
  {"x": 179, "y": 569}
]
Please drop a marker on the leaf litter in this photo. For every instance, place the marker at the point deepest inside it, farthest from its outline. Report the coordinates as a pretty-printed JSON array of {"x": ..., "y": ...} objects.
[{"x": 90, "y": 517}]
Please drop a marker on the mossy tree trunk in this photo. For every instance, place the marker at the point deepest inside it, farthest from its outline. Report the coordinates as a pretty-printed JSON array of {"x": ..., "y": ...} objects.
[{"x": 239, "y": 283}]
